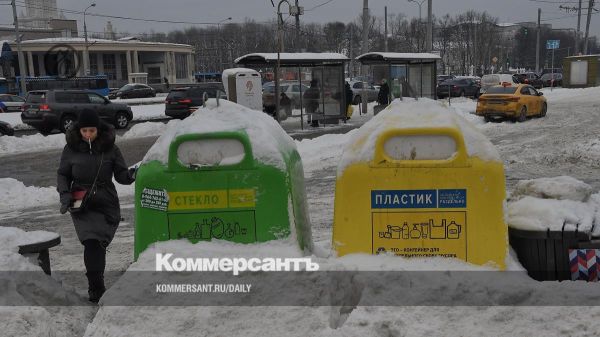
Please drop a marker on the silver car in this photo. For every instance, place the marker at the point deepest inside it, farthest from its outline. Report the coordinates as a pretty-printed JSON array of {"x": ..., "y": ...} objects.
[
  {"x": 357, "y": 87},
  {"x": 13, "y": 103}
]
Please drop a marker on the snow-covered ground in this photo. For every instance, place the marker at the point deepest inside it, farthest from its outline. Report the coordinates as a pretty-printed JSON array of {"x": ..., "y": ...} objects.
[{"x": 565, "y": 143}]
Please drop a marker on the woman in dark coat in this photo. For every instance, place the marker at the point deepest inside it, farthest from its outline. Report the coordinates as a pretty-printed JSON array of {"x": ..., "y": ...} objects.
[
  {"x": 88, "y": 163},
  {"x": 384, "y": 93}
]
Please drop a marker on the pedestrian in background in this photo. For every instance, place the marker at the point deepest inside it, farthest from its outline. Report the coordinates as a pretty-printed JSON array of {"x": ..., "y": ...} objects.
[
  {"x": 384, "y": 93},
  {"x": 87, "y": 165}
]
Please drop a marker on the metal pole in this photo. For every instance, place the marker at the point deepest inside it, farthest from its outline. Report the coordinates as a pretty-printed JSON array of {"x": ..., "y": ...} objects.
[
  {"x": 578, "y": 28},
  {"x": 301, "y": 98},
  {"x": 385, "y": 38},
  {"x": 419, "y": 27},
  {"x": 587, "y": 27},
  {"x": 22, "y": 85},
  {"x": 537, "y": 44},
  {"x": 297, "y": 43},
  {"x": 277, "y": 69},
  {"x": 280, "y": 44},
  {"x": 552, "y": 76},
  {"x": 86, "y": 57},
  {"x": 429, "y": 46},
  {"x": 365, "y": 49}
]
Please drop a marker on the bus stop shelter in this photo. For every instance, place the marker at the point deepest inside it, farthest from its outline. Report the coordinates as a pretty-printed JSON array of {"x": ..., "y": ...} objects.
[
  {"x": 311, "y": 84},
  {"x": 407, "y": 74}
]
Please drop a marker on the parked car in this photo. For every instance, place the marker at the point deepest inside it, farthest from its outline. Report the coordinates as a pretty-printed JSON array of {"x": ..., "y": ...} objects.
[
  {"x": 181, "y": 102},
  {"x": 357, "y": 88},
  {"x": 135, "y": 90},
  {"x": 12, "y": 103},
  {"x": 6, "y": 129},
  {"x": 458, "y": 87},
  {"x": 515, "y": 102},
  {"x": 442, "y": 78},
  {"x": 550, "y": 71},
  {"x": 490, "y": 80},
  {"x": 46, "y": 110},
  {"x": 477, "y": 79},
  {"x": 552, "y": 80},
  {"x": 529, "y": 78},
  {"x": 292, "y": 89}
]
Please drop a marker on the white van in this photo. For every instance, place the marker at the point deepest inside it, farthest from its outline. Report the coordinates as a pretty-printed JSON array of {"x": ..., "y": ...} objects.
[{"x": 496, "y": 79}]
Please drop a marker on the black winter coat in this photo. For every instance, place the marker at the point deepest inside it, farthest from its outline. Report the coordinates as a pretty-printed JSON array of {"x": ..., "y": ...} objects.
[
  {"x": 79, "y": 165},
  {"x": 384, "y": 93}
]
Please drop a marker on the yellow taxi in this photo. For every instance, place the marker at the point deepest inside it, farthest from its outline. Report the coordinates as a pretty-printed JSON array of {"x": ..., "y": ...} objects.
[{"x": 516, "y": 102}]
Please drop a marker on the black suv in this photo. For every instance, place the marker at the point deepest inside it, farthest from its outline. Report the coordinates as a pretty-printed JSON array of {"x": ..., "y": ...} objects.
[
  {"x": 46, "y": 110},
  {"x": 181, "y": 102}
]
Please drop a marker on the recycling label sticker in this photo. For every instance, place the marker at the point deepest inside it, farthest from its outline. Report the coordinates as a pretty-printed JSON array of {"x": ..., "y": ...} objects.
[
  {"x": 420, "y": 234},
  {"x": 154, "y": 199}
]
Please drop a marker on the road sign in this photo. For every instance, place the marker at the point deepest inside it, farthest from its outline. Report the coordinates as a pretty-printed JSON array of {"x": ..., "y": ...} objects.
[{"x": 552, "y": 44}]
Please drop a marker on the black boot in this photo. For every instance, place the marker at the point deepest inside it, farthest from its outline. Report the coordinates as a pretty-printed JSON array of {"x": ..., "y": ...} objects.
[{"x": 96, "y": 286}]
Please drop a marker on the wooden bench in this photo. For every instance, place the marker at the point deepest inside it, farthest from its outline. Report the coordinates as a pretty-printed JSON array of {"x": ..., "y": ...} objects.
[{"x": 40, "y": 248}]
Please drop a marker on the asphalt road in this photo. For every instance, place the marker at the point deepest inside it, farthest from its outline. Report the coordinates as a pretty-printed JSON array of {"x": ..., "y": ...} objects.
[{"x": 39, "y": 168}]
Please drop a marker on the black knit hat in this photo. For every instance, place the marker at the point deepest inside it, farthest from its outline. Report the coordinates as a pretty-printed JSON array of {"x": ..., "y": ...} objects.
[{"x": 88, "y": 119}]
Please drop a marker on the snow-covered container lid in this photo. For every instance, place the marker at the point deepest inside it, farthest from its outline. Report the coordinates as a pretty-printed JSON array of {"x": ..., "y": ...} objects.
[
  {"x": 412, "y": 114},
  {"x": 268, "y": 140}
]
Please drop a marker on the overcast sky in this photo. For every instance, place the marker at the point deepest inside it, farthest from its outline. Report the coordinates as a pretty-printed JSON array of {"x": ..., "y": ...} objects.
[{"x": 262, "y": 10}]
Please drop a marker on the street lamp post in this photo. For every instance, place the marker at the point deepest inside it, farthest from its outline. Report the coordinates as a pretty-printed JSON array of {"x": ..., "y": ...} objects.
[
  {"x": 419, "y": 3},
  {"x": 280, "y": 47},
  {"x": 86, "y": 56},
  {"x": 219, "y": 38}
]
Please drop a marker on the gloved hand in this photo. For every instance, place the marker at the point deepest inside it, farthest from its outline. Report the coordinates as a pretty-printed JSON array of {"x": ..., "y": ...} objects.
[
  {"x": 66, "y": 200},
  {"x": 132, "y": 172}
]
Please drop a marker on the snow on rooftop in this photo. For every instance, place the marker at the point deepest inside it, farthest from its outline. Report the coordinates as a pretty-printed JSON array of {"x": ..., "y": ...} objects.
[
  {"x": 402, "y": 56},
  {"x": 295, "y": 56},
  {"x": 268, "y": 140},
  {"x": 97, "y": 41},
  {"x": 410, "y": 114}
]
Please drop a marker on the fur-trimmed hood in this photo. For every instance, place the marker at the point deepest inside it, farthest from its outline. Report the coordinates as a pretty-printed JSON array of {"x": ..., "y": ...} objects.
[{"x": 104, "y": 142}]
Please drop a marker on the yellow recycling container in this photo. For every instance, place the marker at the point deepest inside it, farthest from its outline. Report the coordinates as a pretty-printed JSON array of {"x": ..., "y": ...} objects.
[{"x": 409, "y": 185}]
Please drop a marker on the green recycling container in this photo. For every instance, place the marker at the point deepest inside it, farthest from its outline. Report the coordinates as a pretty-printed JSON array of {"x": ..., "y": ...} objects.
[{"x": 213, "y": 188}]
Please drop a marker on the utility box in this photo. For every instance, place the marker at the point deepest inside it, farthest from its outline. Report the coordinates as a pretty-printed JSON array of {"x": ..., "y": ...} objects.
[
  {"x": 243, "y": 86},
  {"x": 141, "y": 78},
  {"x": 408, "y": 184},
  {"x": 581, "y": 71},
  {"x": 213, "y": 188}
]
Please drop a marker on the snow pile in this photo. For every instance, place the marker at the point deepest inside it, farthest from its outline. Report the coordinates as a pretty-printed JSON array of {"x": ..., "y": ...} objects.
[
  {"x": 560, "y": 188},
  {"x": 31, "y": 302},
  {"x": 322, "y": 152},
  {"x": 268, "y": 140},
  {"x": 15, "y": 195},
  {"x": 409, "y": 114},
  {"x": 556, "y": 204},
  {"x": 146, "y": 129},
  {"x": 11, "y": 238},
  {"x": 348, "y": 312},
  {"x": 33, "y": 143}
]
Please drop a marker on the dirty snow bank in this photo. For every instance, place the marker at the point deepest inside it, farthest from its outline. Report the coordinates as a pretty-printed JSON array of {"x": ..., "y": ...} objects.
[
  {"x": 348, "y": 312},
  {"x": 31, "y": 302}
]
